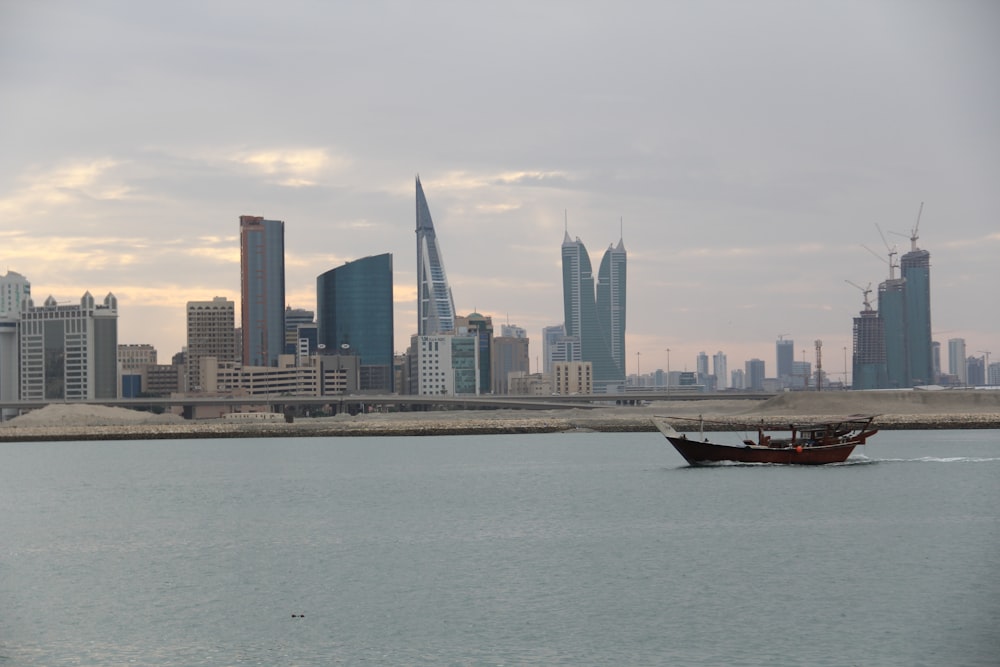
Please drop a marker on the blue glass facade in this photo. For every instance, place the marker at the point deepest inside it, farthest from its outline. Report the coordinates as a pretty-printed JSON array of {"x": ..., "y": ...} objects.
[{"x": 354, "y": 316}]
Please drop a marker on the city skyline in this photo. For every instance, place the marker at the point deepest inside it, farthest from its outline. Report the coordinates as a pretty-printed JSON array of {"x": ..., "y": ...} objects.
[{"x": 744, "y": 204}]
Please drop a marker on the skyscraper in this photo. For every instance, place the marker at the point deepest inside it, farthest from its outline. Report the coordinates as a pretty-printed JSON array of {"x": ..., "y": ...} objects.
[
  {"x": 262, "y": 281},
  {"x": 611, "y": 300},
  {"x": 582, "y": 316},
  {"x": 354, "y": 316},
  {"x": 915, "y": 267},
  {"x": 435, "y": 305},
  {"x": 892, "y": 312}
]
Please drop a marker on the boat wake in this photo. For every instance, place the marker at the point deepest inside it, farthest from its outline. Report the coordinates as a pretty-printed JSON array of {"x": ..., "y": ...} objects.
[{"x": 933, "y": 459}]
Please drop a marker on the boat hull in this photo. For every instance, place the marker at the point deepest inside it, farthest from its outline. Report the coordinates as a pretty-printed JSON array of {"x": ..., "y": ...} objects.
[{"x": 700, "y": 453}]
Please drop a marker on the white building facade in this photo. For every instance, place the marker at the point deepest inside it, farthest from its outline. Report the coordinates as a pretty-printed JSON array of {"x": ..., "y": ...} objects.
[{"x": 69, "y": 352}]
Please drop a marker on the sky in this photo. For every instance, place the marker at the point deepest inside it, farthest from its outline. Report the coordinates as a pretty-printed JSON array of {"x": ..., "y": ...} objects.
[{"x": 747, "y": 153}]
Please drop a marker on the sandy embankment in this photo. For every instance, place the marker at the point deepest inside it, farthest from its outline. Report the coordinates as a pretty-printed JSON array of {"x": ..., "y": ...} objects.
[{"x": 897, "y": 410}]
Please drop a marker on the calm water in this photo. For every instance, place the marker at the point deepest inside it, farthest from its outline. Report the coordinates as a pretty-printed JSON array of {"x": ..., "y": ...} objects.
[{"x": 561, "y": 549}]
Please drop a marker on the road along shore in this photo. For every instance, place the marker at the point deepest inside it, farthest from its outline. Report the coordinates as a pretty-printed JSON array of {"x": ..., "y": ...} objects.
[{"x": 897, "y": 410}]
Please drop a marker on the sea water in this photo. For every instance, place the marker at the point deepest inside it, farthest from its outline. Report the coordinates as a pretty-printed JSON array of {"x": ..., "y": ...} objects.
[{"x": 557, "y": 549}]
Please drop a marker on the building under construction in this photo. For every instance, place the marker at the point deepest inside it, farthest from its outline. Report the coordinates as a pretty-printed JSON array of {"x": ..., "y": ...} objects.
[{"x": 868, "y": 371}]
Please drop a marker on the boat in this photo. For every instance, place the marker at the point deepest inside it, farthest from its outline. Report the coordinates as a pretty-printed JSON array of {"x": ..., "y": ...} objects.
[{"x": 812, "y": 443}]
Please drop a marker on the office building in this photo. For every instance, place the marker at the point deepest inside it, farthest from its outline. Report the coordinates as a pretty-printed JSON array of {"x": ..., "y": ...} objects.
[
  {"x": 355, "y": 316},
  {"x": 583, "y": 320},
  {"x": 435, "y": 305},
  {"x": 210, "y": 333},
  {"x": 446, "y": 364},
  {"x": 956, "y": 360},
  {"x": 512, "y": 331},
  {"x": 14, "y": 291},
  {"x": 69, "y": 352},
  {"x": 262, "y": 289}
]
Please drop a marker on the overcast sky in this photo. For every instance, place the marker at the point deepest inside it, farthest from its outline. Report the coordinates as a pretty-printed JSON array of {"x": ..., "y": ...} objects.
[{"x": 747, "y": 150}]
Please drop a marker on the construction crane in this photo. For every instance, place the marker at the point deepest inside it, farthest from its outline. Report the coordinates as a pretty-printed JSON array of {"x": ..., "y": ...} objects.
[
  {"x": 819, "y": 365},
  {"x": 866, "y": 291},
  {"x": 891, "y": 251},
  {"x": 915, "y": 231}
]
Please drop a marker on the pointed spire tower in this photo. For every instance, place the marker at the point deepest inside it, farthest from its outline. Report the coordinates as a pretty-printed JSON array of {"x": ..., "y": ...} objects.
[
  {"x": 435, "y": 305},
  {"x": 611, "y": 301}
]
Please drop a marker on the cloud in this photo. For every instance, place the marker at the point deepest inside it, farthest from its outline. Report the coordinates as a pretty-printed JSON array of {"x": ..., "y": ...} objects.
[
  {"x": 63, "y": 185},
  {"x": 302, "y": 167}
]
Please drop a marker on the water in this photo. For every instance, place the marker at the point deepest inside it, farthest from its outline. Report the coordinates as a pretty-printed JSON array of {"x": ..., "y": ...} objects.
[{"x": 559, "y": 549}]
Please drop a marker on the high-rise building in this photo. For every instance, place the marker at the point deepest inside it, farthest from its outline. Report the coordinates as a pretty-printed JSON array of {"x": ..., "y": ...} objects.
[
  {"x": 892, "y": 312},
  {"x": 956, "y": 360},
  {"x": 262, "y": 281},
  {"x": 584, "y": 320},
  {"x": 435, "y": 305},
  {"x": 784, "y": 352},
  {"x": 701, "y": 368},
  {"x": 354, "y": 316},
  {"x": 210, "y": 333},
  {"x": 915, "y": 268},
  {"x": 719, "y": 370},
  {"x": 69, "y": 352},
  {"x": 936, "y": 356},
  {"x": 482, "y": 328},
  {"x": 512, "y": 331},
  {"x": 755, "y": 375},
  {"x": 611, "y": 281}
]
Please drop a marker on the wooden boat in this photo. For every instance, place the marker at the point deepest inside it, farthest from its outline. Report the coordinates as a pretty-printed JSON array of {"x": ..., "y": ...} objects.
[{"x": 813, "y": 443}]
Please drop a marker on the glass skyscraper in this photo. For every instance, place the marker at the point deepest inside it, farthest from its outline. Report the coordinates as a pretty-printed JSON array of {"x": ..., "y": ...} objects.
[
  {"x": 611, "y": 301},
  {"x": 354, "y": 316},
  {"x": 435, "y": 305},
  {"x": 262, "y": 289},
  {"x": 591, "y": 325}
]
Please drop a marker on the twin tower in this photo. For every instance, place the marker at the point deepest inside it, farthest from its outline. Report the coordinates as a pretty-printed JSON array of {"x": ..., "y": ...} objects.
[{"x": 594, "y": 315}]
